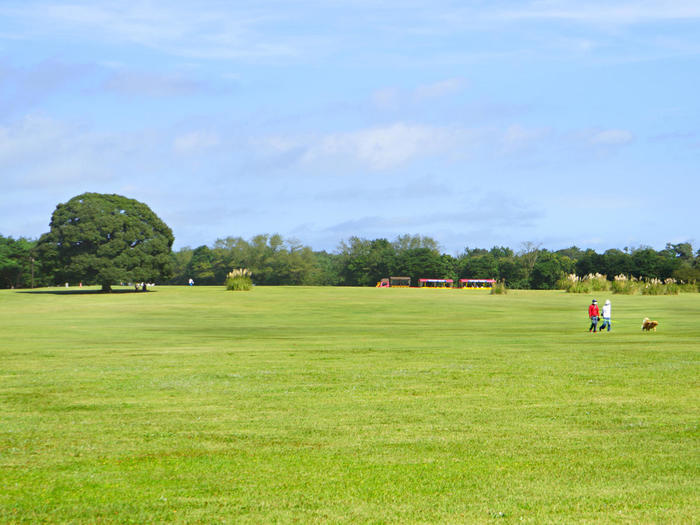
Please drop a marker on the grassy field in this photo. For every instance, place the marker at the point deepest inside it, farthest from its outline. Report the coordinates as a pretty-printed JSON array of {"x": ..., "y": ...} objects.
[{"x": 346, "y": 405}]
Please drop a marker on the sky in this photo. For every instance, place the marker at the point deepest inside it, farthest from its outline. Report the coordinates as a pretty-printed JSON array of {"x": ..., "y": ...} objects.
[{"x": 479, "y": 123}]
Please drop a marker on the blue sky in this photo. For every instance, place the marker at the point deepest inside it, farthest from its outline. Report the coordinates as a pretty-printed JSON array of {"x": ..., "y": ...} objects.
[{"x": 478, "y": 123}]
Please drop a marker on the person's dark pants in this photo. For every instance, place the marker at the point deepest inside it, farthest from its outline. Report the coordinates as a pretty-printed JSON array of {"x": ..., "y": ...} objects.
[{"x": 594, "y": 324}]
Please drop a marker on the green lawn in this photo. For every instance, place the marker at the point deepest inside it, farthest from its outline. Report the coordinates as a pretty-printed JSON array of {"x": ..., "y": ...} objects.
[{"x": 346, "y": 405}]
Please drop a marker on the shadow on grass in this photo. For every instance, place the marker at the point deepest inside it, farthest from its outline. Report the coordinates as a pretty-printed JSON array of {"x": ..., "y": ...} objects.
[{"x": 85, "y": 292}]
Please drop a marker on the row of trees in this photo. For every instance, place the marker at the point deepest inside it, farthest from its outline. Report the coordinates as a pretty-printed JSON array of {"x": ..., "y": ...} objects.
[
  {"x": 17, "y": 263},
  {"x": 274, "y": 260},
  {"x": 271, "y": 259},
  {"x": 363, "y": 262},
  {"x": 106, "y": 239}
]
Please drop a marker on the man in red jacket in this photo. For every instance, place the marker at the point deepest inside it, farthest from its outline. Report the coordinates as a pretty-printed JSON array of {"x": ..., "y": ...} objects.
[{"x": 593, "y": 314}]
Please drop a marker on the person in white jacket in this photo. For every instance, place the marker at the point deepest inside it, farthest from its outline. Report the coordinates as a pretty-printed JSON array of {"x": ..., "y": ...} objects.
[{"x": 606, "y": 316}]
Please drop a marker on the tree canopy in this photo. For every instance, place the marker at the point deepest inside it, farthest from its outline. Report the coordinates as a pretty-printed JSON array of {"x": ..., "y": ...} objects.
[
  {"x": 15, "y": 262},
  {"x": 106, "y": 239},
  {"x": 363, "y": 262}
]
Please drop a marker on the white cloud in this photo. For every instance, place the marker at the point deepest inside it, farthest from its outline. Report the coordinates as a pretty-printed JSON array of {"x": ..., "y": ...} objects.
[
  {"x": 282, "y": 32},
  {"x": 151, "y": 84},
  {"x": 196, "y": 142},
  {"x": 277, "y": 144},
  {"x": 387, "y": 98},
  {"x": 611, "y": 137},
  {"x": 27, "y": 137},
  {"x": 401, "y": 144},
  {"x": 475, "y": 212},
  {"x": 440, "y": 89},
  {"x": 387, "y": 147},
  {"x": 516, "y": 137},
  {"x": 605, "y": 12},
  {"x": 210, "y": 31},
  {"x": 28, "y": 86},
  {"x": 37, "y": 151},
  {"x": 393, "y": 98}
]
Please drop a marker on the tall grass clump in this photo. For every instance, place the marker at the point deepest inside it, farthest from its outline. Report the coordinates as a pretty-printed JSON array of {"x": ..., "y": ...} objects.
[
  {"x": 589, "y": 283},
  {"x": 624, "y": 285},
  {"x": 659, "y": 287},
  {"x": 572, "y": 283},
  {"x": 652, "y": 287},
  {"x": 499, "y": 288},
  {"x": 599, "y": 282},
  {"x": 672, "y": 286},
  {"x": 239, "y": 279},
  {"x": 690, "y": 287}
]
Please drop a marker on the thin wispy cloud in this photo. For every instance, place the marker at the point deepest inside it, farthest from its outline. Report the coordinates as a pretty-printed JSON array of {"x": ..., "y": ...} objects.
[
  {"x": 38, "y": 151},
  {"x": 209, "y": 30},
  {"x": 483, "y": 212},
  {"x": 386, "y": 147},
  {"x": 196, "y": 142},
  {"x": 32, "y": 139},
  {"x": 140, "y": 83},
  {"x": 394, "y": 146},
  {"x": 24, "y": 87},
  {"x": 604, "y": 13},
  {"x": 387, "y": 98},
  {"x": 279, "y": 32},
  {"x": 393, "y": 98},
  {"x": 611, "y": 137},
  {"x": 440, "y": 89},
  {"x": 517, "y": 138}
]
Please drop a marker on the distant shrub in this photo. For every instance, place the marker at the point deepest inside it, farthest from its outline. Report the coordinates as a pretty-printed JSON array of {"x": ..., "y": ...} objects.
[
  {"x": 624, "y": 285},
  {"x": 590, "y": 283},
  {"x": 688, "y": 275},
  {"x": 658, "y": 287},
  {"x": 563, "y": 283},
  {"x": 652, "y": 287},
  {"x": 671, "y": 287},
  {"x": 580, "y": 287},
  {"x": 569, "y": 283},
  {"x": 685, "y": 278},
  {"x": 691, "y": 287},
  {"x": 629, "y": 286},
  {"x": 499, "y": 288},
  {"x": 599, "y": 282},
  {"x": 239, "y": 280}
]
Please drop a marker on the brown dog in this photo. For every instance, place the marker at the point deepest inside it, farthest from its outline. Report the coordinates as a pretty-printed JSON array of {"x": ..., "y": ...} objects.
[{"x": 647, "y": 324}]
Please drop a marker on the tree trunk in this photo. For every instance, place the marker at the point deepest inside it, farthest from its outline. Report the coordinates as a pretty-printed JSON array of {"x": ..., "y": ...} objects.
[{"x": 106, "y": 287}]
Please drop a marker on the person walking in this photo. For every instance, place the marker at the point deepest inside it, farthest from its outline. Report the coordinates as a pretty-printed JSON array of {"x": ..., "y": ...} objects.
[
  {"x": 593, "y": 315},
  {"x": 606, "y": 316}
]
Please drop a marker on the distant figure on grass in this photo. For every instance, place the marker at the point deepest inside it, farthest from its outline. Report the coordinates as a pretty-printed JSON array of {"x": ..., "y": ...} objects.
[
  {"x": 593, "y": 314},
  {"x": 191, "y": 282},
  {"x": 606, "y": 316}
]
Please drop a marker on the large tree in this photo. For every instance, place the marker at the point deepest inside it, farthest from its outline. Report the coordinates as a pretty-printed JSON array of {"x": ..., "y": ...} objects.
[{"x": 107, "y": 239}]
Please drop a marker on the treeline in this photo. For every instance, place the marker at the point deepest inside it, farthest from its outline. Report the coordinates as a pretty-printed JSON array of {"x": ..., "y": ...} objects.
[
  {"x": 274, "y": 260},
  {"x": 18, "y": 265},
  {"x": 363, "y": 262},
  {"x": 271, "y": 259}
]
